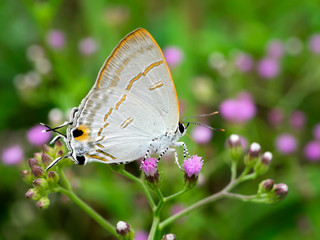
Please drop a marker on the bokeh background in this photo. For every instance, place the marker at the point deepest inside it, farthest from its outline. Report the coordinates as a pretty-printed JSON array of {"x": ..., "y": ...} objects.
[{"x": 257, "y": 62}]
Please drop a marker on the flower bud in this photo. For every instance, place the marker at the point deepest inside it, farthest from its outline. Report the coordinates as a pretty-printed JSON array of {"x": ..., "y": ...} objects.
[
  {"x": 33, "y": 194},
  {"x": 124, "y": 231},
  {"x": 46, "y": 159},
  {"x": 150, "y": 170},
  {"x": 192, "y": 168},
  {"x": 265, "y": 186},
  {"x": 43, "y": 203},
  {"x": 27, "y": 176},
  {"x": 40, "y": 184},
  {"x": 47, "y": 150},
  {"x": 52, "y": 178},
  {"x": 33, "y": 162},
  {"x": 281, "y": 190},
  {"x": 252, "y": 155},
  {"x": 37, "y": 156},
  {"x": 235, "y": 147},
  {"x": 59, "y": 148},
  {"x": 262, "y": 165},
  {"x": 37, "y": 171},
  {"x": 169, "y": 236}
]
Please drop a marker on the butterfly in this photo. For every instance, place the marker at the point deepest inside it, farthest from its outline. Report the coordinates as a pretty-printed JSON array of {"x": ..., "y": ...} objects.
[{"x": 132, "y": 110}]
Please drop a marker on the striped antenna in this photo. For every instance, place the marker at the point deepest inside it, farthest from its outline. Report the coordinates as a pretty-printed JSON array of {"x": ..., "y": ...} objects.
[{"x": 202, "y": 115}]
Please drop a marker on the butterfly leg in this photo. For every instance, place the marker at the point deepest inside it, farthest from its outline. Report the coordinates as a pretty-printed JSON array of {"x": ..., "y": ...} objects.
[
  {"x": 147, "y": 155},
  {"x": 176, "y": 159},
  {"x": 185, "y": 150}
]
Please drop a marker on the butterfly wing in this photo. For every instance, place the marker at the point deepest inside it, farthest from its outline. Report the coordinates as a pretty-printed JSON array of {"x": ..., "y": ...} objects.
[{"x": 138, "y": 66}]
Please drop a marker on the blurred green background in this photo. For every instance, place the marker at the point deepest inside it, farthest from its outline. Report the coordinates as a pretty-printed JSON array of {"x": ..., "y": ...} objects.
[{"x": 51, "y": 52}]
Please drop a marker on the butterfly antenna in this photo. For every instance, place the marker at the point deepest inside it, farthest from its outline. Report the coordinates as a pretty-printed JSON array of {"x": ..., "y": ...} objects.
[
  {"x": 56, "y": 161},
  {"x": 53, "y": 129},
  {"x": 202, "y": 115},
  {"x": 206, "y": 126}
]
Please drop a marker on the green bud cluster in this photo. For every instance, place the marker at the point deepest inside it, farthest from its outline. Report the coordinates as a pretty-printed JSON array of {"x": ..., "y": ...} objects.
[
  {"x": 43, "y": 182},
  {"x": 271, "y": 193}
]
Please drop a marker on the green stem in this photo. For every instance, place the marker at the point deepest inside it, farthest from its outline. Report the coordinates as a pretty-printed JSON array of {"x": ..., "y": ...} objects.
[
  {"x": 90, "y": 211},
  {"x": 233, "y": 170},
  {"x": 154, "y": 231},
  {"x": 173, "y": 196},
  {"x": 240, "y": 196},
  {"x": 64, "y": 180},
  {"x": 144, "y": 187}
]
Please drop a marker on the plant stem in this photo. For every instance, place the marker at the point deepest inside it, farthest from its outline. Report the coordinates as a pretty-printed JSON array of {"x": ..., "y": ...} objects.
[
  {"x": 154, "y": 231},
  {"x": 233, "y": 170},
  {"x": 96, "y": 216},
  {"x": 169, "y": 198},
  {"x": 64, "y": 180}
]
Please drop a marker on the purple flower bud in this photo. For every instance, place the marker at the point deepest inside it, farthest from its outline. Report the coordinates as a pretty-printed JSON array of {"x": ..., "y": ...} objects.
[
  {"x": 312, "y": 151},
  {"x": 33, "y": 162},
  {"x": 12, "y": 155},
  {"x": 286, "y": 143},
  {"x": 32, "y": 194},
  {"x": 37, "y": 171},
  {"x": 43, "y": 203},
  {"x": 169, "y": 236},
  {"x": 266, "y": 158},
  {"x": 40, "y": 184},
  {"x": 173, "y": 55},
  {"x": 298, "y": 119},
  {"x": 141, "y": 235},
  {"x": 268, "y": 68},
  {"x": 316, "y": 131},
  {"x": 46, "y": 149},
  {"x": 192, "y": 168},
  {"x": 46, "y": 159},
  {"x": 275, "y": 116},
  {"x": 281, "y": 190},
  {"x": 263, "y": 163},
  {"x": 268, "y": 185},
  {"x": 275, "y": 49},
  {"x": 202, "y": 135},
  {"x": 27, "y": 176},
  {"x": 124, "y": 230},
  {"x": 253, "y": 154},
  {"x": 314, "y": 43},
  {"x": 52, "y": 178},
  {"x": 244, "y": 62},
  {"x": 235, "y": 147},
  {"x": 36, "y": 137},
  {"x": 56, "y": 39},
  {"x": 149, "y": 167}
]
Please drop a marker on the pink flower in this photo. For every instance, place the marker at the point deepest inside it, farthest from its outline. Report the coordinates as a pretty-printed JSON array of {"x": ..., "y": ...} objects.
[
  {"x": 298, "y": 119},
  {"x": 239, "y": 110},
  {"x": 286, "y": 143},
  {"x": 201, "y": 134},
  {"x": 312, "y": 151},
  {"x": 244, "y": 62},
  {"x": 87, "y": 46},
  {"x": 149, "y": 167},
  {"x": 141, "y": 235},
  {"x": 192, "y": 166},
  {"x": 173, "y": 55},
  {"x": 268, "y": 68},
  {"x": 36, "y": 137},
  {"x": 56, "y": 39},
  {"x": 275, "y": 49},
  {"x": 316, "y": 131},
  {"x": 314, "y": 43},
  {"x": 12, "y": 155}
]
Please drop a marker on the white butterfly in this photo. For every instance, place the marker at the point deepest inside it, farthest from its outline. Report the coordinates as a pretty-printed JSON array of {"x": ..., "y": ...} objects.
[{"x": 131, "y": 112}]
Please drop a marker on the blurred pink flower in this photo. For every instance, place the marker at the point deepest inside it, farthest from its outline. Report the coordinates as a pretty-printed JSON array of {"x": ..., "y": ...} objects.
[
  {"x": 56, "y": 39},
  {"x": 297, "y": 119},
  {"x": 238, "y": 110},
  {"x": 173, "y": 55},
  {"x": 36, "y": 137},
  {"x": 275, "y": 116},
  {"x": 286, "y": 143},
  {"x": 316, "y": 131},
  {"x": 244, "y": 62},
  {"x": 312, "y": 151},
  {"x": 141, "y": 235},
  {"x": 201, "y": 134},
  {"x": 12, "y": 155},
  {"x": 192, "y": 166},
  {"x": 268, "y": 68},
  {"x": 87, "y": 46},
  {"x": 275, "y": 49},
  {"x": 314, "y": 43}
]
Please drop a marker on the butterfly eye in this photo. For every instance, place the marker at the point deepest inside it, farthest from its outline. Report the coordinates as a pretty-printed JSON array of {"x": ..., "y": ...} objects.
[
  {"x": 181, "y": 127},
  {"x": 80, "y": 159}
]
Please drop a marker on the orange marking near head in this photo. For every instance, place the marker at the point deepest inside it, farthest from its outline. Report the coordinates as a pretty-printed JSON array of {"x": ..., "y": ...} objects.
[{"x": 85, "y": 135}]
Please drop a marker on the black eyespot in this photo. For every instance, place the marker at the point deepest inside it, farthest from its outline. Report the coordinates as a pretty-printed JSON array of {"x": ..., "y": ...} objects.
[
  {"x": 181, "y": 127},
  {"x": 77, "y": 133},
  {"x": 80, "y": 159}
]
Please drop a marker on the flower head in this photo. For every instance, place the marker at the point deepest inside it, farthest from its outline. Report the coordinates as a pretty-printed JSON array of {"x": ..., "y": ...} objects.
[
  {"x": 316, "y": 131},
  {"x": 12, "y": 155},
  {"x": 268, "y": 68},
  {"x": 149, "y": 167},
  {"x": 312, "y": 151},
  {"x": 124, "y": 230},
  {"x": 201, "y": 134},
  {"x": 56, "y": 39},
  {"x": 275, "y": 49},
  {"x": 36, "y": 137},
  {"x": 238, "y": 110},
  {"x": 275, "y": 116},
  {"x": 192, "y": 166},
  {"x": 173, "y": 55},
  {"x": 244, "y": 62},
  {"x": 169, "y": 236},
  {"x": 314, "y": 43},
  {"x": 286, "y": 143},
  {"x": 297, "y": 119},
  {"x": 253, "y": 154},
  {"x": 141, "y": 235},
  {"x": 87, "y": 46}
]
